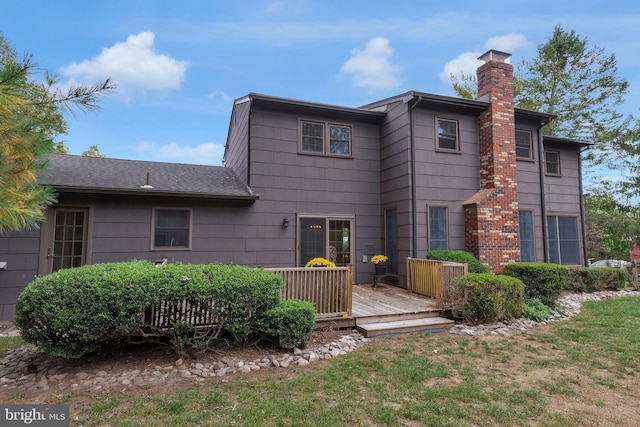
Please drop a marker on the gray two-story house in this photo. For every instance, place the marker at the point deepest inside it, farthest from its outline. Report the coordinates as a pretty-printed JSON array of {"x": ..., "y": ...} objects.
[{"x": 400, "y": 176}]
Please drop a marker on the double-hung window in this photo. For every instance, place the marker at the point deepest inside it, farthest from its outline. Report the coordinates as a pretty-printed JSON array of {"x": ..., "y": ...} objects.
[
  {"x": 325, "y": 138},
  {"x": 447, "y": 135},
  {"x": 524, "y": 145},
  {"x": 438, "y": 235},
  {"x": 171, "y": 229},
  {"x": 564, "y": 245},
  {"x": 552, "y": 162}
]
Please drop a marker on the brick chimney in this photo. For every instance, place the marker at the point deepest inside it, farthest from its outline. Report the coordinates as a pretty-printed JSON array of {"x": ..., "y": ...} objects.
[{"x": 491, "y": 215}]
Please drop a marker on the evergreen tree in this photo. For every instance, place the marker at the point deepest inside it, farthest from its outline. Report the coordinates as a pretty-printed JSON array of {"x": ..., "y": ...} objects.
[{"x": 31, "y": 116}]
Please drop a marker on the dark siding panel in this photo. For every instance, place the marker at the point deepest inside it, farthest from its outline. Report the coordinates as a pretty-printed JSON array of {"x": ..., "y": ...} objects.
[
  {"x": 237, "y": 152},
  {"x": 290, "y": 183},
  {"x": 20, "y": 252},
  {"x": 395, "y": 176},
  {"x": 445, "y": 179}
]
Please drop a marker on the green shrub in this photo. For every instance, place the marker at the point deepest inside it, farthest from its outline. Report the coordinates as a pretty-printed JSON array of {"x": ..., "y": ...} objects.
[
  {"x": 535, "y": 310},
  {"x": 75, "y": 311},
  {"x": 475, "y": 266},
  {"x": 542, "y": 280},
  {"x": 245, "y": 295},
  {"x": 596, "y": 279},
  {"x": 490, "y": 298},
  {"x": 291, "y": 323}
]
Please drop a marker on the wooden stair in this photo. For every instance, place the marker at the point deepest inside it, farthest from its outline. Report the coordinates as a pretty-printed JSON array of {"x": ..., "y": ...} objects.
[{"x": 402, "y": 324}]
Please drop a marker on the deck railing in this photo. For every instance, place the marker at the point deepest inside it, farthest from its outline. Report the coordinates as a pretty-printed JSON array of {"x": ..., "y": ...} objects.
[
  {"x": 434, "y": 279},
  {"x": 328, "y": 289}
]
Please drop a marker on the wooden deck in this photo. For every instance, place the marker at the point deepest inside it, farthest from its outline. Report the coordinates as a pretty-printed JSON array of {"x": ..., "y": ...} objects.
[
  {"x": 386, "y": 309},
  {"x": 385, "y": 300}
]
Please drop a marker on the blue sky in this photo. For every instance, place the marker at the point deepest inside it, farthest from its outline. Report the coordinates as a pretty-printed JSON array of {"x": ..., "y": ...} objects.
[{"x": 179, "y": 65}]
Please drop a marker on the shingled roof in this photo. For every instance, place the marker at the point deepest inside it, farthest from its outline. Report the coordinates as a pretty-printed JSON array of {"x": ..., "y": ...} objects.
[{"x": 117, "y": 176}]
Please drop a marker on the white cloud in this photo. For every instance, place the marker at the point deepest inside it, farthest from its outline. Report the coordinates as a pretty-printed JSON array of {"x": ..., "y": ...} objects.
[
  {"x": 466, "y": 63},
  {"x": 208, "y": 153},
  {"x": 507, "y": 43},
  {"x": 132, "y": 65},
  {"x": 370, "y": 68}
]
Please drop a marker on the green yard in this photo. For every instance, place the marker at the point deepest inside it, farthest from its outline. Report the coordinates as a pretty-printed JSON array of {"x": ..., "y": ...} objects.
[{"x": 578, "y": 372}]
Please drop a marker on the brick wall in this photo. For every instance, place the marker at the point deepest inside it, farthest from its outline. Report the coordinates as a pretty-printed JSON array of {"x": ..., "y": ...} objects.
[{"x": 491, "y": 215}]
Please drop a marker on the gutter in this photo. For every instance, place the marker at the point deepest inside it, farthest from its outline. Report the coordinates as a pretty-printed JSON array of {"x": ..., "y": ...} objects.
[{"x": 126, "y": 192}]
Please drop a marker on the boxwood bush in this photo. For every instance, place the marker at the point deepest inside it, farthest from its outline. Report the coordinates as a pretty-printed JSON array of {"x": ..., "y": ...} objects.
[
  {"x": 543, "y": 281},
  {"x": 490, "y": 298},
  {"x": 291, "y": 323},
  {"x": 596, "y": 279},
  {"x": 474, "y": 265},
  {"x": 75, "y": 311}
]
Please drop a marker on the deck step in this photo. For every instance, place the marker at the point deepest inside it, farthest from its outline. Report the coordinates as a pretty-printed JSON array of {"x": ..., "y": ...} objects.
[
  {"x": 392, "y": 317},
  {"x": 429, "y": 324}
]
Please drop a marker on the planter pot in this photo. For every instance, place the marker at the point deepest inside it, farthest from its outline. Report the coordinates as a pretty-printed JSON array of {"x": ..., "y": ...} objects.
[{"x": 380, "y": 270}]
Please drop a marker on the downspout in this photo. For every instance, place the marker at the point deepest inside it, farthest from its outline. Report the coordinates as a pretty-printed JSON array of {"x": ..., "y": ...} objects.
[
  {"x": 543, "y": 202},
  {"x": 412, "y": 174},
  {"x": 582, "y": 215},
  {"x": 249, "y": 142}
]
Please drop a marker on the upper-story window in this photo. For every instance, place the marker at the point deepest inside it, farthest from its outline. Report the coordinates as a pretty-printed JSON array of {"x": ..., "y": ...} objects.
[
  {"x": 325, "y": 138},
  {"x": 524, "y": 145},
  {"x": 552, "y": 162},
  {"x": 448, "y": 135}
]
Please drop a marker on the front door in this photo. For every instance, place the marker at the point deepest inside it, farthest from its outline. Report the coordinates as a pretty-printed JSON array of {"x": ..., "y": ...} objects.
[{"x": 66, "y": 244}]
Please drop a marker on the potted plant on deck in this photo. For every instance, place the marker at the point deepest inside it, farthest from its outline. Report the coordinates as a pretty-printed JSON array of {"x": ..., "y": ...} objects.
[
  {"x": 320, "y": 262},
  {"x": 380, "y": 264}
]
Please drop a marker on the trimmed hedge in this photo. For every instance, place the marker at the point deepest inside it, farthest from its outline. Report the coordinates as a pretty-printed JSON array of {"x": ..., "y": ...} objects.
[
  {"x": 596, "y": 279},
  {"x": 490, "y": 298},
  {"x": 291, "y": 322},
  {"x": 75, "y": 311},
  {"x": 474, "y": 265},
  {"x": 543, "y": 281}
]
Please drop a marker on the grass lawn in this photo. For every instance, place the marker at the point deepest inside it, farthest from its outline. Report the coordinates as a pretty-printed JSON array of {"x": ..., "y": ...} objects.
[{"x": 578, "y": 372}]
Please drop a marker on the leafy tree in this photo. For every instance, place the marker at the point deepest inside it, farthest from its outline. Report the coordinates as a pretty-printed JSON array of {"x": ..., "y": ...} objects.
[
  {"x": 579, "y": 84},
  {"x": 31, "y": 115},
  {"x": 611, "y": 226},
  {"x": 60, "y": 147},
  {"x": 93, "y": 151}
]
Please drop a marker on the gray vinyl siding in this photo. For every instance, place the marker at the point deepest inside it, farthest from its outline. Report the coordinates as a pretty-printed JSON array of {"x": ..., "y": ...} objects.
[
  {"x": 291, "y": 183},
  {"x": 236, "y": 156},
  {"x": 445, "y": 179},
  {"x": 20, "y": 252},
  {"x": 395, "y": 177},
  {"x": 528, "y": 173}
]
